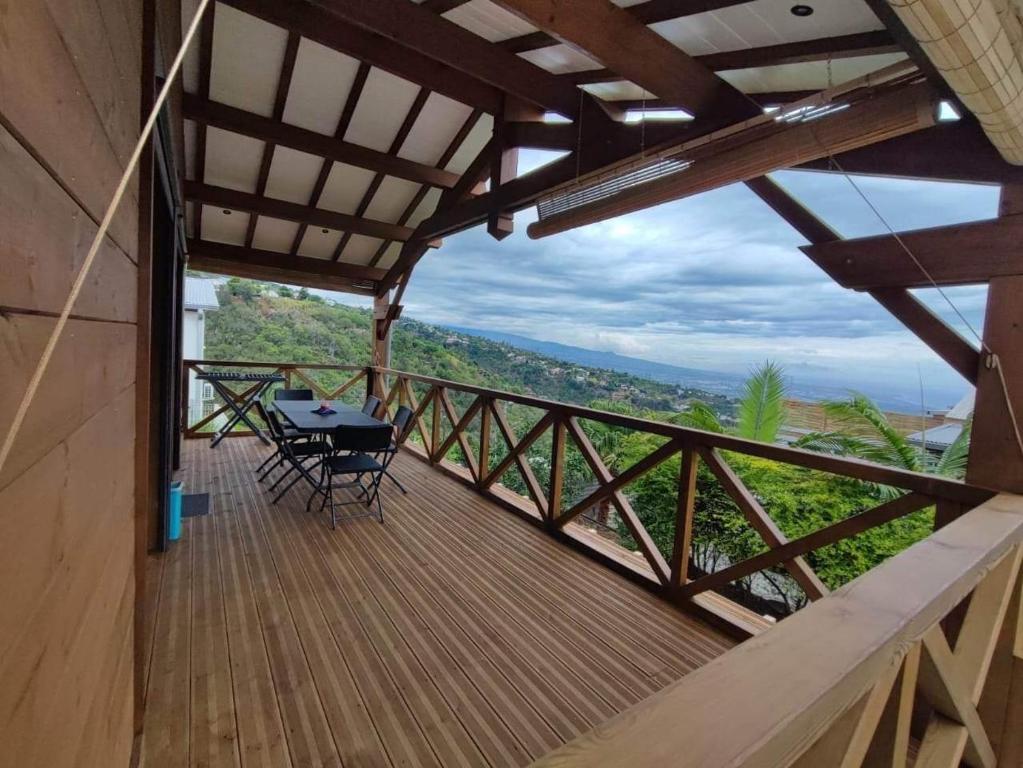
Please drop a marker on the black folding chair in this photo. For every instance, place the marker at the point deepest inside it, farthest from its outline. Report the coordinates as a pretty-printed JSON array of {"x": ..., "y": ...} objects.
[
  {"x": 401, "y": 423},
  {"x": 296, "y": 454},
  {"x": 371, "y": 405},
  {"x": 277, "y": 457},
  {"x": 363, "y": 443},
  {"x": 293, "y": 394}
]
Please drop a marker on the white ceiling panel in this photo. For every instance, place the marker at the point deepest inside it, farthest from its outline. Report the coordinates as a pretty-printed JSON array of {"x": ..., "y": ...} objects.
[
  {"x": 381, "y": 110},
  {"x": 765, "y": 22},
  {"x": 811, "y": 75},
  {"x": 425, "y": 208},
  {"x": 391, "y": 199},
  {"x": 389, "y": 256},
  {"x": 346, "y": 185},
  {"x": 247, "y": 58},
  {"x": 224, "y": 227},
  {"x": 293, "y": 175},
  {"x": 360, "y": 249},
  {"x": 474, "y": 142},
  {"x": 436, "y": 126},
  {"x": 232, "y": 160},
  {"x": 319, "y": 243},
  {"x": 274, "y": 234},
  {"x": 560, "y": 59},
  {"x": 319, "y": 87},
  {"x": 618, "y": 90},
  {"x": 489, "y": 20}
]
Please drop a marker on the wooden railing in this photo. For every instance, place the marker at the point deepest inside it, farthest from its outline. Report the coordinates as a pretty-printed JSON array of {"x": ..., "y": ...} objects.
[
  {"x": 300, "y": 375},
  {"x": 441, "y": 429},
  {"x": 918, "y": 659},
  {"x": 466, "y": 431}
]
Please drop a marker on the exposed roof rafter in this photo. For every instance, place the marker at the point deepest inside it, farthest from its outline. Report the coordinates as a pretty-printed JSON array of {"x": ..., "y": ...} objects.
[
  {"x": 280, "y": 99},
  {"x": 222, "y": 258},
  {"x": 279, "y": 209},
  {"x": 625, "y": 45},
  {"x": 417, "y": 29},
  {"x": 649, "y": 12},
  {"x": 332, "y": 148}
]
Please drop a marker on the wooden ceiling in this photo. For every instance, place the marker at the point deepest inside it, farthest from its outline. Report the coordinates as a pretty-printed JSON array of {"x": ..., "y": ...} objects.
[{"x": 337, "y": 139}]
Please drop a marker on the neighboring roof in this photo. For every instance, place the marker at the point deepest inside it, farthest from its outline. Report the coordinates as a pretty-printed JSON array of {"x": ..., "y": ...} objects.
[
  {"x": 962, "y": 410},
  {"x": 200, "y": 294},
  {"x": 937, "y": 438}
]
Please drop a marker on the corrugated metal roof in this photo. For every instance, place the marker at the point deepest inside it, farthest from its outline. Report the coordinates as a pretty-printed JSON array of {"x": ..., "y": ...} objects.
[
  {"x": 200, "y": 294},
  {"x": 937, "y": 438}
]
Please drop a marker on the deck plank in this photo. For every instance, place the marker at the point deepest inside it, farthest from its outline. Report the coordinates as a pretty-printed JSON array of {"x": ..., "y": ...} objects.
[{"x": 454, "y": 634}]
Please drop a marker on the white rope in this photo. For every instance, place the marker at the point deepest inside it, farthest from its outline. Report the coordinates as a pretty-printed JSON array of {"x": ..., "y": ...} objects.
[
  {"x": 83, "y": 272},
  {"x": 993, "y": 362}
]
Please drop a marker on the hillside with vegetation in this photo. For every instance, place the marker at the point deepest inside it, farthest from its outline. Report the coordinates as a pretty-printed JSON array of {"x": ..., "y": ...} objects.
[
  {"x": 263, "y": 322},
  {"x": 267, "y": 323}
]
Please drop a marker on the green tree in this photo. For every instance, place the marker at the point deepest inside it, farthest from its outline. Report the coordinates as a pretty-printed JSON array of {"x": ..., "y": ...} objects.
[
  {"x": 761, "y": 410},
  {"x": 863, "y": 430}
]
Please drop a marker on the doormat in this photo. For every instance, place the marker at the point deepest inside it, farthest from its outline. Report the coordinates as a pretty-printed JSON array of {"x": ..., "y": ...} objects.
[{"x": 195, "y": 504}]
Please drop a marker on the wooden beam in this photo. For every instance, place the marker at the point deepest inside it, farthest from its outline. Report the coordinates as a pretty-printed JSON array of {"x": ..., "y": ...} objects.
[
  {"x": 442, "y": 6},
  {"x": 766, "y": 147},
  {"x": 239, "y": 261},
  {"x": 205, "y": 66},
  {"x": 283, "y": 84},
  {"x": 414, "y": 203},
  {"x": 403, "y": 131},
  {"x": 613, "y": 36},
  {"x": 818, "y": 49},
  {"x": 931, "y": 329},
  {"x": 280, "y": 209},
  {"x": 430, "y": 35},
  {"x": 959, "y": 254},
  {"x": 944, "y": 340},
  {"x": 649, "y": 12},
  {"x": 950, "y": 151},
  {"x": 351, "y": 102},
  {"x": 331, "y": 148},
  {"x": 325, "y": 27}
]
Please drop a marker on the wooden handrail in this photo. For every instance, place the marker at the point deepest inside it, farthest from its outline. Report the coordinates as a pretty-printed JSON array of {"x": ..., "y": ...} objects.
[
  {"x": 244, "y": 364},
  {"x": 813, "y": 690},
  {"x": 687, "y": 437}
]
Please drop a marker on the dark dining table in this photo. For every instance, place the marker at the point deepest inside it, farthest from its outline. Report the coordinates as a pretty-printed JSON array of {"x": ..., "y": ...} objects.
[{"x": 299, "y": 414}]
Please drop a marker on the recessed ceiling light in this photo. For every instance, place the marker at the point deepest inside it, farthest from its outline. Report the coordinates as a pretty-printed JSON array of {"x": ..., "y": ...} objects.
[
  {"x": 801, "y": 10},
  {"x": 325, "y": 231},
  {"x": 227, "y": 212}
]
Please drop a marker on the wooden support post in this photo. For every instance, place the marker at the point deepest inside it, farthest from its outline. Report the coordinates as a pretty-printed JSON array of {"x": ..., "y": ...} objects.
[
  {"x": 684, "y": 518},
  {"x": 558, "y": 435},
  {"x": 382, "y": 331},
  {"x": 484, "y": 453},
  {"x": 435, "y": 425},
  {"x": 504, "y": 161},
  {"x": 996, "y": 457}
]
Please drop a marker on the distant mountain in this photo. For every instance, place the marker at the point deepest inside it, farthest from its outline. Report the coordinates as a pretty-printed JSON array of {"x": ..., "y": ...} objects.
[
  {"x": 694, "y": 378},
  {"x": 718, "y": 382}
]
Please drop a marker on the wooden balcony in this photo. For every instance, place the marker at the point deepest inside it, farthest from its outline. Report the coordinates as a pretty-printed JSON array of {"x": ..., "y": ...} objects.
[
  {"x": 453, "y": 634},
  {"x": 459, "y": 634}
]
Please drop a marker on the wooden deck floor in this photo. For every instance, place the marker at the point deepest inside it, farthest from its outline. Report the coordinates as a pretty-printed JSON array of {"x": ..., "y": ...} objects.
[{"x": 453, "y": 635}]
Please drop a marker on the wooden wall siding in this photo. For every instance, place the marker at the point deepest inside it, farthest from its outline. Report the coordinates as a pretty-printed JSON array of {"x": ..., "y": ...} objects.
[
  {"x": 69, "y": 114},
  {"x": 417, "y": 642}
]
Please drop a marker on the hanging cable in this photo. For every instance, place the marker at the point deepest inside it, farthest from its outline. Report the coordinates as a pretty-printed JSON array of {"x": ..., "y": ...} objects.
[{"x": 83, "y": 272}]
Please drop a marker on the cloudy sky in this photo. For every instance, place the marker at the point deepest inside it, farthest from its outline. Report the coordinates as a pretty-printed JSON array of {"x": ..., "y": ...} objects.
[{"x": 714, "y": 282}]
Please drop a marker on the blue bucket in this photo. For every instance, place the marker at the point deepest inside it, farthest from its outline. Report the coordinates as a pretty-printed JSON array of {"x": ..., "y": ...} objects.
[{"x": 174, "y": 521}]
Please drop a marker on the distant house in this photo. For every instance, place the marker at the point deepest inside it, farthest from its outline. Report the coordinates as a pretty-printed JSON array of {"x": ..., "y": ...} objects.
[
  {"x": 200, "y": 298},
  {"x": 938, "y": 438}
]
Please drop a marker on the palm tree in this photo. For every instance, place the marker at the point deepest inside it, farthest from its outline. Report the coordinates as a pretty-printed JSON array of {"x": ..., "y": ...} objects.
[
  {"x": 864, "y": 431},
  {"x": 761, "y": 410}
]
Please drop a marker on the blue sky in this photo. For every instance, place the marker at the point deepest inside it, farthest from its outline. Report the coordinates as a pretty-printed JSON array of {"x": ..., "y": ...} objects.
[{"x": 715, "y": 282}]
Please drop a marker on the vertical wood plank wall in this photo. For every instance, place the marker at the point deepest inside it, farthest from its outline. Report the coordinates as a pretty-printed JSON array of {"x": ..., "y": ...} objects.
[{"x": 69, "y": 115}]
